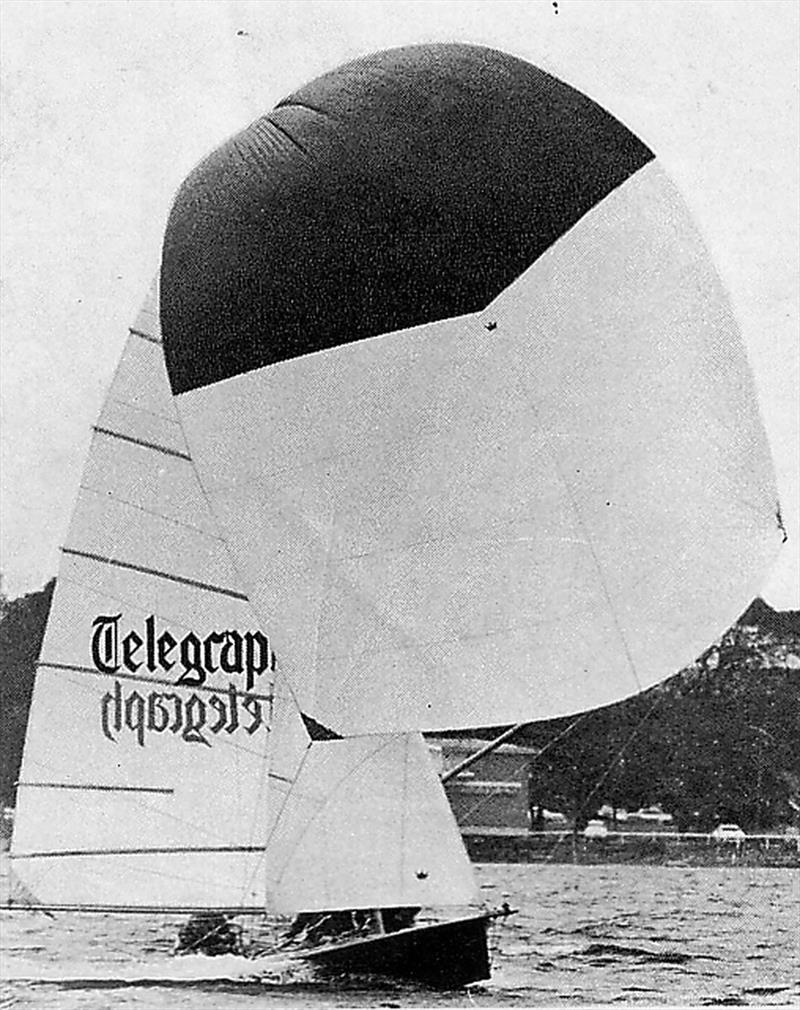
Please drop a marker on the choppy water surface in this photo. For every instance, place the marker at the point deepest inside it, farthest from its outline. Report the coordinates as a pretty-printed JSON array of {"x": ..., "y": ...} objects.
[{"x": 584, "y": 934}]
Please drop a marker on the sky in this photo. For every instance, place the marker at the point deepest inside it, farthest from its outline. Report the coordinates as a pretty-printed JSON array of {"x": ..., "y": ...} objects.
[{"x": 107, "y": 106}]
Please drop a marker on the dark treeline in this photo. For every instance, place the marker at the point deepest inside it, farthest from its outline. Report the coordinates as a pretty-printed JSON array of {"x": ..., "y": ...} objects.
[
  {"x": 718, "y": 741},
  {"x": 22, "y": 626}
]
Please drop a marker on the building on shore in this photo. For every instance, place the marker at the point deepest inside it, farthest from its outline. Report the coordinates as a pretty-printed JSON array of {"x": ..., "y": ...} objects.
[{"x": 491, "y": 793}]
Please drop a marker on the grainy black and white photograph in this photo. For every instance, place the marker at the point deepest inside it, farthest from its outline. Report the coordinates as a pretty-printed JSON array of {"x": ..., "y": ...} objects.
[{"x": 400, "y": 504}]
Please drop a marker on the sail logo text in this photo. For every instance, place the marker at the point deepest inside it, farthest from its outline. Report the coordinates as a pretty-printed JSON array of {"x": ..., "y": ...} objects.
[
  {"x": 193, "y": 659},
  {"x": 191, "y": 717},
  {"x": 224, "y": 651}
]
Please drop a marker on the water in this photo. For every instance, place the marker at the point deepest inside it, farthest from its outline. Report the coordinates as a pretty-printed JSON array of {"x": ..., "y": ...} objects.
[{"x": 619, "y": 935}]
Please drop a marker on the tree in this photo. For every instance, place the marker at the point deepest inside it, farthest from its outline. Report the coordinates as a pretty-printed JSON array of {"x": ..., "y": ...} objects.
[{"x": 21, "y": 632}]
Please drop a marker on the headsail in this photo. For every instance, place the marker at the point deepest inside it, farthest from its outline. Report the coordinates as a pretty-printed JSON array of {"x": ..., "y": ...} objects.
[
  {"x": 547, "y": 494},
  {"x": 366, "y": 824}
]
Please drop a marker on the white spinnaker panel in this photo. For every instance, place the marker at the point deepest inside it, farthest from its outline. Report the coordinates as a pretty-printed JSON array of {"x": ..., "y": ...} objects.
[
  {"x": 136, "y": 792},
  {"x": 538, "y": 509},
  {"x": 366, "y": 824}
]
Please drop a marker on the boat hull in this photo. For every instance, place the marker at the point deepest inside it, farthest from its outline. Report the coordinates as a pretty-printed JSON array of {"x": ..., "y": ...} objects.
[{"x": 444, "y": 955}]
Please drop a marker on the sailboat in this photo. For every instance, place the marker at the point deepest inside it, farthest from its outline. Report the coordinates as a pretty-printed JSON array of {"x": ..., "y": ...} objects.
[
  {"x": 439, "y": 400},
  {"x": 167, "y": 768}
]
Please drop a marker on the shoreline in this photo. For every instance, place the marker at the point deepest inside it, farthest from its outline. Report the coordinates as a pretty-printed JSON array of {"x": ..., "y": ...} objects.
[{"x": 499, "y": 845}]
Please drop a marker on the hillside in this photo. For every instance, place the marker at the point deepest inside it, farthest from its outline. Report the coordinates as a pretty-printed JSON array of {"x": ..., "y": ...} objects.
[
  {"x": 718, "y": 741},
  {"x": 21, "y": 631}
]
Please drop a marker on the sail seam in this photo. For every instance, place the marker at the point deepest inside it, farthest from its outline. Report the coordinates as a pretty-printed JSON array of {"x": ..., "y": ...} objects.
[
  {"x": 183, "y": 580},
  {"x": 589, "y": 543},
  {"x": 149, "y": 512},
  {"x": 165, "y": 449},
  {"x": 323, "y": 801},
  {"x": 137, "y": 409},
  {"x": 161, "y": 681}
]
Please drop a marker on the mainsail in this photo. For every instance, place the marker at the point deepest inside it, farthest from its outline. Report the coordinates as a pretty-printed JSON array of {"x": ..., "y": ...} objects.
[
  {"x": 136, "y": 791},
  {"x": 465, "y": 395},
  {"x": 166, "y": 766}
]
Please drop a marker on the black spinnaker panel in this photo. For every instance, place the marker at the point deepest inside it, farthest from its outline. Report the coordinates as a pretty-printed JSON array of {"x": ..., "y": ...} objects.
[{"x": 408, "y": 186}]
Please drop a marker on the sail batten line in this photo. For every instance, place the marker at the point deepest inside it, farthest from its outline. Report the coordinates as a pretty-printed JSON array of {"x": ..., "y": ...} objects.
[
  {"x": 161, "y": 681},
  {"x": 145, "y": 336},
  {"x": 182, "y": 579},
  {"x": 165, "y": 449},
  {"x": 148, "y": 851},
  {"x": 199, "y": 827},
  {"x": 97, "y": 787},
  {"x": 125, "y": 601},
  {"x": 13, "y": 906}
]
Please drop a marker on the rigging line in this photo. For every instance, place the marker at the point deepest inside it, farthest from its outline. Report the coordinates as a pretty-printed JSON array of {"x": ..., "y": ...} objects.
[
  {"x": 591, "y": 548},
  {"x": 550, "y": 743},
  {"x": 326, "y": 800},
  {"x": 160, "y": 681},
  {"x": 166, "y": 450},
  {"x": 657, "y": 701},
  {"x": 478, "y": 803},
  {"x": 403, "y": 813},
  {"x": 248, "y": 882},
  {"x": 151, "y": 512},
  {"x": 547, "y": 438},
  {"x": 561, "y": 838},
  {"x": 322, "y": 589},
  {"x": 183, "y": 580},
  {"x": 288, "y": 794}
]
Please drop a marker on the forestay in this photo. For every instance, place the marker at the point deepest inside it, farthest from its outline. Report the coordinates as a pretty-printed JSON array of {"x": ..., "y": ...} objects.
[{"x": 512, "y": 514}]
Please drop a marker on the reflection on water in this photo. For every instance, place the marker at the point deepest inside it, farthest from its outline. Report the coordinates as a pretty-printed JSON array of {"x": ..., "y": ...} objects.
[{"x": 584, "y": 934}]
